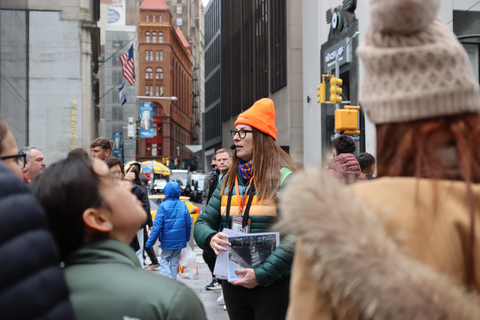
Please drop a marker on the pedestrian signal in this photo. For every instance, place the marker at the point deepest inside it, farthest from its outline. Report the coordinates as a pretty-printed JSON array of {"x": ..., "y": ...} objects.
[{"x": 347, "y": 119}]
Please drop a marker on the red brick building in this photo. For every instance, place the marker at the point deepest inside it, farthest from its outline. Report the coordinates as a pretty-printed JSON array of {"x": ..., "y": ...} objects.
[{"x": 165, "y": 70}]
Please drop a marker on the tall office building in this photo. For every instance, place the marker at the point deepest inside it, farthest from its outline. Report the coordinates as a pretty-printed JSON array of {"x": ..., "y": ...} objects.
[
  {"x": 261, "y": 45},
  {"x": 212, "y": 133}
]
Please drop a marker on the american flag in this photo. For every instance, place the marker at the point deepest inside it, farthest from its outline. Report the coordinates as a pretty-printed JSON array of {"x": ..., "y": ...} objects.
[{"x": 128, "y": 68}]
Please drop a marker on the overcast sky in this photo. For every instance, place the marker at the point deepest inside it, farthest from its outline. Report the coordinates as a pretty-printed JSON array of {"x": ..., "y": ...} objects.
[{"x": 205, "y": 2}]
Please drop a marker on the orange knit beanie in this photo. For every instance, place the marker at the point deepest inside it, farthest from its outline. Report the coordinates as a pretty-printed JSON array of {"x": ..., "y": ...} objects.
[{"x": 260, "y": 116}]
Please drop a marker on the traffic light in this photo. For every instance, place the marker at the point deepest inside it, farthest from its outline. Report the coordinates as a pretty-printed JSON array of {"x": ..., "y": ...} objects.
[
  {"x": 335, "y": 90},
  {"x": 347, "y": 120},
  {"x": 322, "y": 91}
]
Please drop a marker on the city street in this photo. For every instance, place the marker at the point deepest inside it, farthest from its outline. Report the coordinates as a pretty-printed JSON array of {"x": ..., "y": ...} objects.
[{"x": 209, "y": 298}]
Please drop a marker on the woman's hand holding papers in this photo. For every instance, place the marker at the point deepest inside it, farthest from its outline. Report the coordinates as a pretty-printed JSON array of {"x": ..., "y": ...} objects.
[
  {"x": 219, "y": 243},
  {"x": 250, "y": 279}
]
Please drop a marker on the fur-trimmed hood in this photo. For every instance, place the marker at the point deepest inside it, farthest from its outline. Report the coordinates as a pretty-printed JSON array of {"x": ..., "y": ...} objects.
[{"x": 357, "y": 263}]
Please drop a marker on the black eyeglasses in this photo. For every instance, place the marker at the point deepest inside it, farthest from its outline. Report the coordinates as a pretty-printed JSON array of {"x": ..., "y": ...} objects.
[
  {"x": 241, "y": 133},
  {"x": 19, "y": 159}
]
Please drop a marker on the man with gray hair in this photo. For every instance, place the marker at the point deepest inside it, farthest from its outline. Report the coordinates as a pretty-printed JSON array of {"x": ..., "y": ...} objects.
[{"x": 34, "y": 165}]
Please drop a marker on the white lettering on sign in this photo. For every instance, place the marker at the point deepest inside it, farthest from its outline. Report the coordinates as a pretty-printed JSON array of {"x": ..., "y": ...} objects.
[{"x": 332, "y": 55}]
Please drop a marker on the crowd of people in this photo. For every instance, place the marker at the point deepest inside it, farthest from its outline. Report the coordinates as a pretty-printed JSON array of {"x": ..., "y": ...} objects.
[{"x": 402, "y": 245}]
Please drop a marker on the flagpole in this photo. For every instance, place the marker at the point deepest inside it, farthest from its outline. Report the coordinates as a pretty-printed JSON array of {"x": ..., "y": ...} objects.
[
  {"x": 111, "y": 56},
  {"x": 111, "y": 89}
]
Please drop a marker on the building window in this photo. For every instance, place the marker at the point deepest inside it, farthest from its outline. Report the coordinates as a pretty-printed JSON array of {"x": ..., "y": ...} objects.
[
  {"x": 161, "y": 55},
  {"x": 157, "y": 91},
  {"x": 146, "y": 55},
  {"x": 117, "y": 76},
  {"x": 153, "y": 18},
  {"x": 157, "y": 110},
  {"x": 278, "y": 46},
  {"x": 161, "y": 91},
  {"x": 154, "y": 37},
  {"x": 149, "y": 149},
  {"x": 156, "y": 55},
  {"x": 160, "y": 37},
  {"x": 146, "y": 90},
  {"x": 160, "y": 18},
  {"x": 154, "y": 149},
  {"x": 149, "y": 73},
  {"x": 179, "y": 10},
  {"x": 147, "y": 36},
  {"x": 179, "y": 21},
  {"x": 159, "y": 73},
  {"x": 151, "y": 55},
  {"x": 151, "y": 90},
  {"x": 147, "y": 17}
]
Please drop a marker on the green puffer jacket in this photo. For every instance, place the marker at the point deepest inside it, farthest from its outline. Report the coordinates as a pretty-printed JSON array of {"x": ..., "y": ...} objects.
[
  {"x": 277, "y": 266},
  {"x": 107, "y": 283}
]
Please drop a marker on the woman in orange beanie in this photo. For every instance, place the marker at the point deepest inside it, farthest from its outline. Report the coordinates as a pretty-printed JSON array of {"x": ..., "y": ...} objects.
[
  {"x": 406, "y": 245},
  {"x": 259, "y": 168}
]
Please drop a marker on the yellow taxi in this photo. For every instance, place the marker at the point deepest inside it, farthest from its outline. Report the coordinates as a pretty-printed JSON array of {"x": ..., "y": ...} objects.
[{"x": 156, "y": 199}]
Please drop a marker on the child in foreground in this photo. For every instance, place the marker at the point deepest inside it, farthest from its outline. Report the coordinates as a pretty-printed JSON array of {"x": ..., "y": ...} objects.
[{"x": 93, "y": 221}]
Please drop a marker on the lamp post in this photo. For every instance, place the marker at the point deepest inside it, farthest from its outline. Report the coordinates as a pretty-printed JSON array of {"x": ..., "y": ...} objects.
[{"x": 137, "y": 109}]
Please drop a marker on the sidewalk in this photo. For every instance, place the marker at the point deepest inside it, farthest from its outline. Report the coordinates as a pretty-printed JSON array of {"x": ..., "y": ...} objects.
[{"x": 213, "y": 310}]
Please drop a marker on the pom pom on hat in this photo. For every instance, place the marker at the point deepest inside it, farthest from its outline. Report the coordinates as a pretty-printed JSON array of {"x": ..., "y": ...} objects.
[
  {"x": 422, "y": 69},
  {"x": 260, "y": 116},
  {"x": 402, "y": 16}
]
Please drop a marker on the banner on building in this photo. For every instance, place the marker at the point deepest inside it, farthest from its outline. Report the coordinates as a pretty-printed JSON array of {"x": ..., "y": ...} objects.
[
  {"x": 117, "y": 145},
  {"x": 116, "y": 13},
  {"x": 146, "y": 120}
]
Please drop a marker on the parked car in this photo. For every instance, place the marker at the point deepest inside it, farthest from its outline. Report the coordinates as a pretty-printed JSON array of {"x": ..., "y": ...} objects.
[
  {"x": 158, "y": 186},
  {"x": 157, "y": 199}
]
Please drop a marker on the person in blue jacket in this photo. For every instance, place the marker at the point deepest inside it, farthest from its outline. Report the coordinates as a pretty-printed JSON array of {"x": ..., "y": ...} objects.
[{"x": 172, "y": 227}]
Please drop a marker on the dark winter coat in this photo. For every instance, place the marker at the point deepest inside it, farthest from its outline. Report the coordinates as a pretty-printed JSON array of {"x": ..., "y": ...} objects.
[
  {"x": 172, "y": 222},
  {"x": 346, "y": 168},
  {"x": 262, "y": 215},
  {"x": 142, "y": 195},
  {"x": 32, "y": 286},
  {"x": 107, "y": 283},
  {"x": 212, "y": 182}
]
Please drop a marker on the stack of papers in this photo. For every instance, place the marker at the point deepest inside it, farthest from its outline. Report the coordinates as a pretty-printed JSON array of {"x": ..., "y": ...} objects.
[{"x": 247, "y": 250}]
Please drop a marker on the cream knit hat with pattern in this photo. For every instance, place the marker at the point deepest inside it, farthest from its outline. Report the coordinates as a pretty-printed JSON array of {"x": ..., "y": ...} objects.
[{"x": 415, "y": 68}]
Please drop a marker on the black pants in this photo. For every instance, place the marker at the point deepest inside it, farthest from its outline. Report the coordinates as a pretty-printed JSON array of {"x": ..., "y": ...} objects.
[
  {"x": 265, "y": 303},
  {"x": 210, "y": 258},
  {"x": 150, "y": 252}
]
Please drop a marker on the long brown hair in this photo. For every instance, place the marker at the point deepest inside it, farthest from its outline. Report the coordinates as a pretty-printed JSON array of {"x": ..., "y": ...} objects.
[
  {"x": 268, "y": 158},
  {"x": 438, "y": 148}
]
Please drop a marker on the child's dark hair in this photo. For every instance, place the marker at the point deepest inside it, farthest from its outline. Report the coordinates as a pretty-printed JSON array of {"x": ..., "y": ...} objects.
[
  {"x": 366, "y": 160},
  {"x": 65, "y": 190},
  {"x": 344, "y": 144}
]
